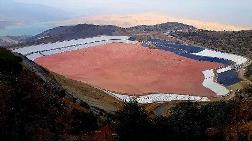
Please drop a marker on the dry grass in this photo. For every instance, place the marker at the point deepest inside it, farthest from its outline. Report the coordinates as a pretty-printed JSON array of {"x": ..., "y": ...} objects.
[
  {"x": 160, "y": 109},
  {"x": 89, "y": 94}
]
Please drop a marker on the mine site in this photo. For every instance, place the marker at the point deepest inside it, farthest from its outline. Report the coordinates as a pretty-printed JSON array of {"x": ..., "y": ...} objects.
[{"x": 125, "y": 70}]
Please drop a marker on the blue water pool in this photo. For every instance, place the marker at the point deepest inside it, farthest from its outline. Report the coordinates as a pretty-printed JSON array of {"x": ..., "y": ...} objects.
[
  {"x": 226, "y": 78},
  {"x": 186, "y": 51}
]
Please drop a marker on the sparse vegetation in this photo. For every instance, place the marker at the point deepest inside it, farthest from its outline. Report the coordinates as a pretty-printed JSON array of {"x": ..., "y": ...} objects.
[
  {"x": 92, "y": 96},
  {"x": 237, "y": 42}
]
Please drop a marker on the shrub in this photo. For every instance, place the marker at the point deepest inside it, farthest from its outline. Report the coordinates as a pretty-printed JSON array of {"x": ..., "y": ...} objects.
[
  {"x": 9, "y": 63},
  {"x": 133, "y": 123}
]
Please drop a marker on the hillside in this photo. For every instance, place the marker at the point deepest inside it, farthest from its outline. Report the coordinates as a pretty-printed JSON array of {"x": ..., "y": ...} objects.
[
  {"x": 33, "y": 109},
  {"x": 74, "y": 32},
  {"x": 33, "y": 106},
  {"x": 36, "y": 104},
  {"x": 237, "y": 42},
  {"x": 164, "y": 27}
]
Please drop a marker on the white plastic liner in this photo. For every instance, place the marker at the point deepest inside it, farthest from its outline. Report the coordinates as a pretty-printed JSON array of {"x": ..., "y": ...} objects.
[
  {"x": 238, "y": 60},
  {"x": 59, "y": 47},
  {"x": 221, "y": 70},
  {"x": 151, "y": 98},
  {"x": 212, "y": 85},
  {"x": 34, "y": 56}
]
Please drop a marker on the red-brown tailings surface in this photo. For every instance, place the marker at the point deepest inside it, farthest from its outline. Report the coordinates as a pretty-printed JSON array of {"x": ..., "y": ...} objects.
[{"x": 131, "y": 69}]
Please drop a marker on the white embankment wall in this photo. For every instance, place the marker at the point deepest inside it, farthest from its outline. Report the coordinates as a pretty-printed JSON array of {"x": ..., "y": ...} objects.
[
  {"x": 238, "y": 60},
  {"x": 36, "y": 51},
  {"x": 161, "y": 97},
  {"x": 209, "y": 81}
]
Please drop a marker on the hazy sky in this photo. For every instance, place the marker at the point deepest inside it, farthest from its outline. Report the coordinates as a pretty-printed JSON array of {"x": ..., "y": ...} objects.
[{"x": 33, "y": 16}]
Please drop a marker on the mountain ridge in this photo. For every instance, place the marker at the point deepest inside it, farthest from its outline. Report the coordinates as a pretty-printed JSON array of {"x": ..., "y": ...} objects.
[{"x": 61, "y": 33}]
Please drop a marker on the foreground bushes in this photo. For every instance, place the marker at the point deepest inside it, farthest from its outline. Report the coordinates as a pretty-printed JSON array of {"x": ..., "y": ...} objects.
[
  {"x": 31, "y": 109},
  {"x": 134, "y": 123},
  {"x": 9, "y": 63},
  {"x": 188, "y": 121}
]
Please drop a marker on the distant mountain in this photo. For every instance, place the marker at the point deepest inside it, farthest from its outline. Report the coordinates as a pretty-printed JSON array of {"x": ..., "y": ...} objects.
[{"x": 89, "y": 30}]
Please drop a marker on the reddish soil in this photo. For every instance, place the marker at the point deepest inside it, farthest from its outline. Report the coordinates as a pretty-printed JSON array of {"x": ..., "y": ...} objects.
[{"x": 131, "y": 69}]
